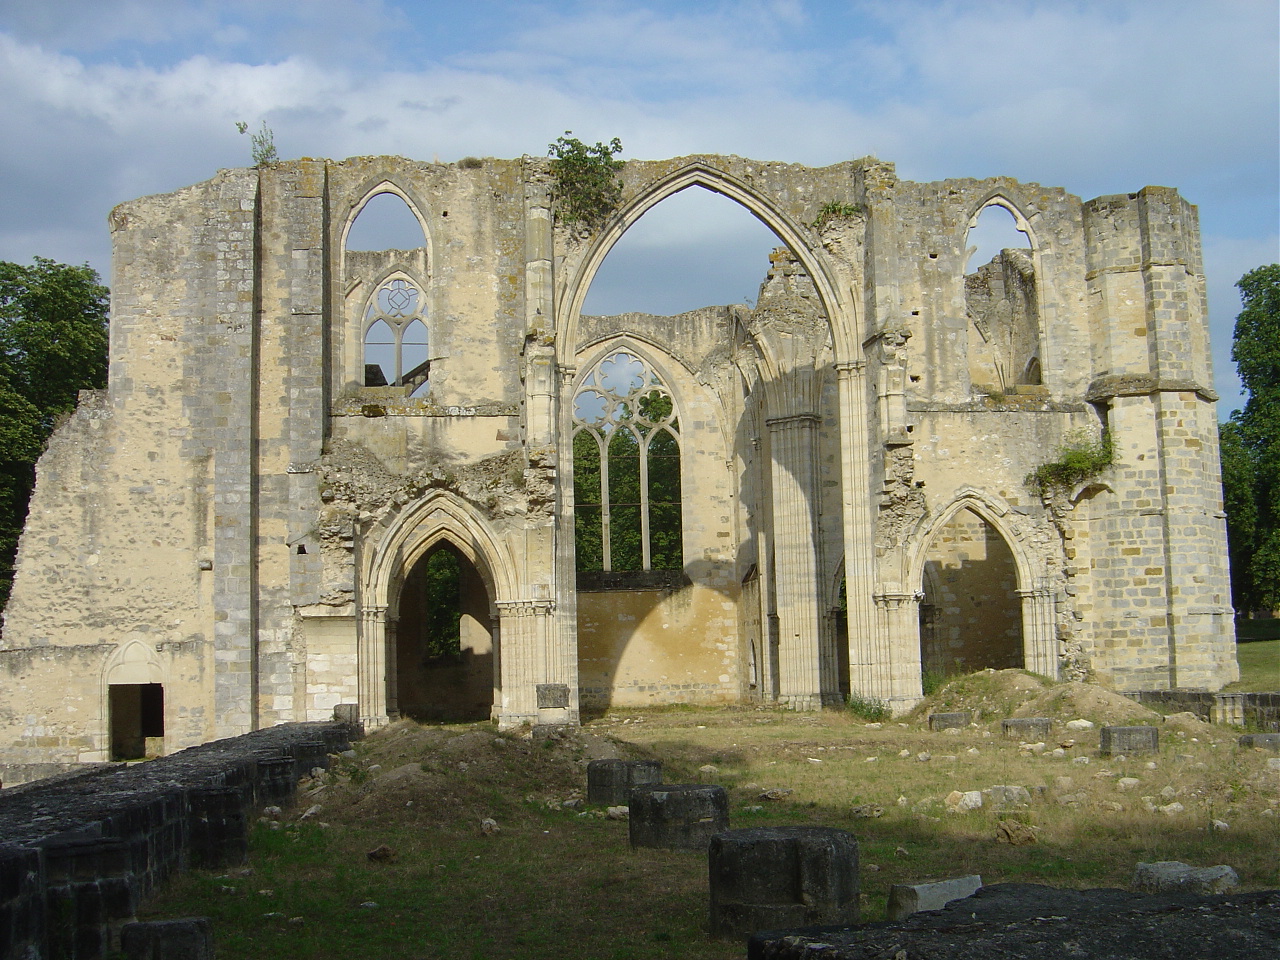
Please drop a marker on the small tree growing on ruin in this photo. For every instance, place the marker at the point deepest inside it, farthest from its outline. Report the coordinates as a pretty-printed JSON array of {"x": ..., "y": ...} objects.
[
  {"x": 264, "y": 144},
  {"x": 587, "y": 189}
]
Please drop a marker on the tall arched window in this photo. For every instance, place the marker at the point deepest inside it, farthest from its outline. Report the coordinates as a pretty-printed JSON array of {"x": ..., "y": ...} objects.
[
  {"x": 626, "y": 462},
  {"x": 395, "y": 338}
]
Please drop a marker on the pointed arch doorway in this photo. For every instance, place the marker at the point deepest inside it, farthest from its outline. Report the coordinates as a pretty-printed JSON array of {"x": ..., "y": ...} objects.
[{"x": 445, "y": 664}]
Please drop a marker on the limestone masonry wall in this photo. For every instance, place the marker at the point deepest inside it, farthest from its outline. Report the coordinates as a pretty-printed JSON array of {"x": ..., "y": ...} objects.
[{"x": 422, "y": 481}]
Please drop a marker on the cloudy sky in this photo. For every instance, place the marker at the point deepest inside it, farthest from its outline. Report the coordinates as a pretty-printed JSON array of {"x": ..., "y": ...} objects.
[{"x": 106, "y": 100}]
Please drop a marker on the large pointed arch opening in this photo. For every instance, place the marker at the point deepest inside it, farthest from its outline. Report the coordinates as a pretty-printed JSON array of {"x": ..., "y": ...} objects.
[
  {"x": 971, "y": 610},
  {"x": 651, "y": 636}
]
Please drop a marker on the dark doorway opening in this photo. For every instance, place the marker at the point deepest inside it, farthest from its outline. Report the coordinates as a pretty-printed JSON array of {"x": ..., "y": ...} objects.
[
  {"x": 971, "y": 614},
  {"x": 136, "y": 712},
  {"x": 446, "y": 666}
]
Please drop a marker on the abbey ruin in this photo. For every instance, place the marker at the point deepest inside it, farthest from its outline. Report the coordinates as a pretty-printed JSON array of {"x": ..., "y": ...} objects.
[{"x": 310, "y": 456}]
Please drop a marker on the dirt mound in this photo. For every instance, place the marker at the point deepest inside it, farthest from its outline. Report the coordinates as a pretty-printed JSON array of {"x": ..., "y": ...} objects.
[
  {"x": 1086, "y": 701},
  {"x": 453, "y": 775},
  {"x": 988, "y": 694}
]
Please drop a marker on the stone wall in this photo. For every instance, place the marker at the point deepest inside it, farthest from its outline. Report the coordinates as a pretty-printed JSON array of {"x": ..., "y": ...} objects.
[
  {"x": 82, "y": 850},
  {"x": 238, "y": 517}
]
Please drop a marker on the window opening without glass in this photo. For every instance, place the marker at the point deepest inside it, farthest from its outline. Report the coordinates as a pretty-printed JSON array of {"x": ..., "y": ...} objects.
[
  {"x": 626, "y": 461},
  {"x": 395, "y": 338}
]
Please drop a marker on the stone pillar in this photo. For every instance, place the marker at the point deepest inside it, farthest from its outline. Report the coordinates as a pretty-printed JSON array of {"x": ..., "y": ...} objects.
[
  {"x": 793, "y": 441},
  {"x": 525, "y": 627},
  {"x": 392, "y": 662},
  {"x": 899, "y": 619},
  {"x": 1039, "y": 629},
  {"x": 868, "y": 645},
  {"x": 372, "y": 666}
]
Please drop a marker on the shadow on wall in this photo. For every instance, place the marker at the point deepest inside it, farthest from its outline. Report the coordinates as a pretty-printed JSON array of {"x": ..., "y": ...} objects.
[{"x": 971, "y": 615}]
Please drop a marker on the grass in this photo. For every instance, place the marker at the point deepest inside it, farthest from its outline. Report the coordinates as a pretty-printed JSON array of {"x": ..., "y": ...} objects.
[
  {"x": 1259, "y": 664},
  {"x": 557, "y": 883}
]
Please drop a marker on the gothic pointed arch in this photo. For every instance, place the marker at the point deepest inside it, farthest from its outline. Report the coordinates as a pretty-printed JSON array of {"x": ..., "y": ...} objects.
[
  {"x": 439, "y": 516},
  {"x": 978, "y": 580},
  {"x": 839, "y": 305},
  {"x": 1004, "y": 305},
  {"x": 379, "y": 187},
  {"x": 627, "y": 464}
]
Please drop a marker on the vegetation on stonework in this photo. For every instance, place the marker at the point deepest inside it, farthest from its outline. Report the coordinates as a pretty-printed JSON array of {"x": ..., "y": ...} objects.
[
  {"x": 586, "y": 187},
  {"x": 867, "y": 708},
  {"x": 53, "y": 344},
  {"x": 1081, "y": 457},
  {"x": 1250, "y": 447},
  {"x": 263, "y": 144},
  {"x": 835, "y": 210},
  {"x": 557, "y": 880}
]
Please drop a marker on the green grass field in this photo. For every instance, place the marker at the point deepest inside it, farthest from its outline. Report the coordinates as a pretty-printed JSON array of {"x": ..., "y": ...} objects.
[
  {"x": 561, "y": 881},
  {"x": 1259, "y": 664}
]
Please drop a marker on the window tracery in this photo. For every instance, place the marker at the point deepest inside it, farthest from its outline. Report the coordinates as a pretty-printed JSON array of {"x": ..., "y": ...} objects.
[
  {"x": 626, "y": 457},
  {"x": 395, "y": 338}
]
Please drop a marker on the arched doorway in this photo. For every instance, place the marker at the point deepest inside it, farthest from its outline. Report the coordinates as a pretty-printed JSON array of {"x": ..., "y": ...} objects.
[
  {"x": 445, "y": 659},
  {"x": 971, "y": 611}
]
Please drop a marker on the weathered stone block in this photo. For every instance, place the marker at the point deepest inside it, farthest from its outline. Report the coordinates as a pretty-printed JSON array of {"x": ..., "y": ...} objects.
[
  {"x": 1128, "y": 740},
  {"x": 610, "y": 781},
  {"x": 948, "y": 721},
  {"x": 771, "y": 877},
  {"x": 1173, "y": 876},
  {"x": 552, "y": 695},
  {"x": 1030, "y": 729},
  {"x": 906, "y": 899},
  {"x": 677, "y": 816},
  {"x": 189, "y": 938}
]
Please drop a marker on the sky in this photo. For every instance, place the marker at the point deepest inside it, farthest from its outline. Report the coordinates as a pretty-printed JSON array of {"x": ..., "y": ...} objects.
[{"x": 107, "y": 100}]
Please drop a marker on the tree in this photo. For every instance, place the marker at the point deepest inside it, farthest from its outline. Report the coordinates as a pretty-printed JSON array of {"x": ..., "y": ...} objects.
[
  {"x": 53, "y": 344},
  {"x": 1250, "y": 447},
  {"x": 587, "y": 189}
]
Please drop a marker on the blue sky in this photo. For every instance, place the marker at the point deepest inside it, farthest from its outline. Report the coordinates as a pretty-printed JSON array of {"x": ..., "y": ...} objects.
[{"x": 106, "y": 100}]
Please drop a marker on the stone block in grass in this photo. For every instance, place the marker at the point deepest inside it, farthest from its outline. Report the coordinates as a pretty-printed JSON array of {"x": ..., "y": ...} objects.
[
  {"x": 1030, "y": 729},
  {"x": 609, "y": 782},
  {"x": 677, "y": 816},
  {"x": 1128, "y": 741},
  {"x": 768, "y": 878}
]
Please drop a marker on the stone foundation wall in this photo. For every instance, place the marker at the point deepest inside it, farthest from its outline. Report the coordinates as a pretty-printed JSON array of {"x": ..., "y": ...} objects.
[{"x": 82, "y": 850}]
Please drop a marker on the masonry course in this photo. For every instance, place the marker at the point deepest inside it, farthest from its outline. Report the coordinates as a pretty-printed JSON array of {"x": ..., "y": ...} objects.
[{"x": 234, "y": 533}]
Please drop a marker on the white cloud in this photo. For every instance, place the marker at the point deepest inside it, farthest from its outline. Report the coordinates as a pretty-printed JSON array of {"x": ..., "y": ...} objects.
[{"x": 110, "y": 100}]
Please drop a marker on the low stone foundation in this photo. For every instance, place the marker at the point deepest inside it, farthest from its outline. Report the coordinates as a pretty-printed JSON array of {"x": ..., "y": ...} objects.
[{"x": 92, "y": 845}]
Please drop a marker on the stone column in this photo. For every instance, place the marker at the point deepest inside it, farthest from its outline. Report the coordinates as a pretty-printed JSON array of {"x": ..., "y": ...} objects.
[
  {"x": 898, "y": 616},
  {"x": 1039, "y": 629},
  {"x": 793, "y": 441},
  {"x": 868, "y": 646},
  {"x": 392, "y": 647},
  {"x": 525, "y": 627},
  {"x": 372, "y": 666}
]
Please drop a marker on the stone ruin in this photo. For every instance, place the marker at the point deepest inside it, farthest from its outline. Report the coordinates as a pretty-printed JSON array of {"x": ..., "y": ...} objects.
[{"x": 309, "y": 457}]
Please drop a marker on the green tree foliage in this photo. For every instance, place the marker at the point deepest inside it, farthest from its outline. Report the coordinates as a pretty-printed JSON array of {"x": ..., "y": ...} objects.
[
  {"x": 53, "y": 344},
  {"x": 1250, "y": 447},
  {"x": 587, "y": 189},
  {"x": 444, "y": 611}
]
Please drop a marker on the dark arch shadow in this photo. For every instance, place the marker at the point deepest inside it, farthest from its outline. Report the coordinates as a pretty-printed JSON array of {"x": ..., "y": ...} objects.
[{"x": 445, "y": 660}]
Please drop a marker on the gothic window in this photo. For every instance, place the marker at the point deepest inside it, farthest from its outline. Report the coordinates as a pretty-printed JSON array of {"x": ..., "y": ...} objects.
[
  {"x": 626, "y": 462},
  {"x": 395, "y": 338}
]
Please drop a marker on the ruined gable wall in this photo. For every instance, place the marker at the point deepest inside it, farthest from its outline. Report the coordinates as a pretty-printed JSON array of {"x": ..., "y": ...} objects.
[{"x": 145, "y": 540}]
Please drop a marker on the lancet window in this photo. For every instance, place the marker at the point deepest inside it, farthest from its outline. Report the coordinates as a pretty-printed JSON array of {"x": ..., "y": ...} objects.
[
  {"x": 626, "y": 461},
  {"x": 395, "y": 338}
]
